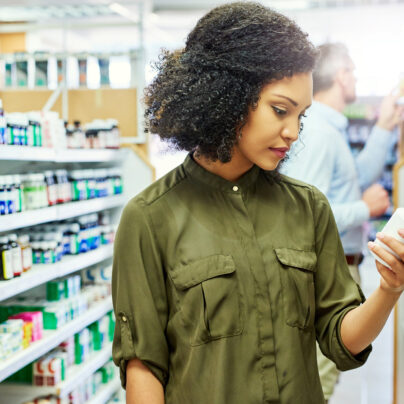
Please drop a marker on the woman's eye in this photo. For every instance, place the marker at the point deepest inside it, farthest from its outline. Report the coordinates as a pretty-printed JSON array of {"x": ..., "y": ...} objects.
[
  {"x": 279, "y": 111},
  {"x": 302, "y": 116}
]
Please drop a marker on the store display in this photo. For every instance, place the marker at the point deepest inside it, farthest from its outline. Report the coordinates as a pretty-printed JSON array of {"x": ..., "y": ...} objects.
[
  {"x": 41, "y": 69},
  {"x": 99, "y": 134},
  {"x": 61, "y": 70},
  {"x": 48, "y": 244},
  {"x": 20, "y": 193},
  {"x": 3, "y": 124},
  {"x": 82, "y": 63},
  {"x": 63, "y": 362},
  {"x": 46, "y": 129},
  {"x": 21, "y": 71},
  {"x": 65, "y": 301},
  {"x": 7, "y": 269},
  {"x": 55, "y": 249},
  {"x": 103, "y": 64},
  {"x": 9, "y": 74}
]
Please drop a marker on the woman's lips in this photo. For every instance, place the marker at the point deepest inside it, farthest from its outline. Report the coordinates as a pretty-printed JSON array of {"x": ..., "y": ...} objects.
[{"x": 280, "y": 152}]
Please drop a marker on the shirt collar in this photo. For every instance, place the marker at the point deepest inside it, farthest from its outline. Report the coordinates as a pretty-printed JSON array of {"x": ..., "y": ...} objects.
[
  {"x": 194, "y": 170},
  {"x": 334, "y": 117}
]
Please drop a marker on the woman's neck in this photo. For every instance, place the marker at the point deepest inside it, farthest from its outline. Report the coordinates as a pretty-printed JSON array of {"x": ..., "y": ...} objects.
[{"x": 230, "y": 171}]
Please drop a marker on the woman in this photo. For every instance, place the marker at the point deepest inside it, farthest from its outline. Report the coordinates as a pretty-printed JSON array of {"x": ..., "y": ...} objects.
[{"x": 226, "y": 272}]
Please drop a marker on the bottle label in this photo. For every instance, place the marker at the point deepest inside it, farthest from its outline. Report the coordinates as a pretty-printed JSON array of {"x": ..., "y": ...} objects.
[
  {"x": 52, "y": 194},
  {"x": 47, "y": 257},
  {"x": 17, "y": 261},
  {"x": 11, "y": 135},
  {"x": 27, "y": 258},
  {"x": 30, "y": 195},
  {"x": 19, "y": 200},
  {"x": 36, "y": 257},
  {"x": 7, "y": 257},
  {"x": 10, "y": 206},
  {"x": 74, "y": 244},
  {"x": 3, "y": 207},
  {"x": 30, "y": 136}
]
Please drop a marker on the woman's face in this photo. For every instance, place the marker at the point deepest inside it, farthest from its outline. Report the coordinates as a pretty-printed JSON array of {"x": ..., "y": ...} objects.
[{"x": 274, "y": 125}]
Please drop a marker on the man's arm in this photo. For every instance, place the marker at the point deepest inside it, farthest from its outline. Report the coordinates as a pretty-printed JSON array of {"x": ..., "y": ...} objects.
[
  {"x": 142, "y": 387},
  {"x": 371, "y": 160},
  {"x": 363, "y": 324}
]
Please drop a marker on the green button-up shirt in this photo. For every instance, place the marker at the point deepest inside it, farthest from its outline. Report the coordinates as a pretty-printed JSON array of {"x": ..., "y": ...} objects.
[{"x": 222, "y": 288}]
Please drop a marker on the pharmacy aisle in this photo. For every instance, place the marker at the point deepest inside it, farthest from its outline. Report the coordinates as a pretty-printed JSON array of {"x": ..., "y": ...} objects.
[{"x": 59, "y": 208}]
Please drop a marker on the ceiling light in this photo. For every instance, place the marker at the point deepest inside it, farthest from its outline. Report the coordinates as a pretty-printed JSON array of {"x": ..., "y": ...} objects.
[{"x": 124, "y": 12}]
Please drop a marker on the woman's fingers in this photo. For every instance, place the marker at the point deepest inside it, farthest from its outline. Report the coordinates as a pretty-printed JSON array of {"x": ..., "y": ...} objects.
[
  {"x": 386, "y": 256},
  {"x": 394, "y": 244},
  {"x": 394, "y": 278}
]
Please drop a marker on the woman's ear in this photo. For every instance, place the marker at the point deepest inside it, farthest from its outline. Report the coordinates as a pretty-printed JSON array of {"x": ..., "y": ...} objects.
[{"x": 341, "y": 77}]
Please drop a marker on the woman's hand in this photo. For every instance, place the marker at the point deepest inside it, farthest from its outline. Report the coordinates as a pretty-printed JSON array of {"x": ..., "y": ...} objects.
[
  {"x": 392, "y": 280},
  {"x": 362, "y": 325}
]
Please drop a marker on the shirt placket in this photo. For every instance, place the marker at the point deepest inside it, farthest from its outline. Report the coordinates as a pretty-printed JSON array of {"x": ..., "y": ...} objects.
[{"x": 265, "y": 330}]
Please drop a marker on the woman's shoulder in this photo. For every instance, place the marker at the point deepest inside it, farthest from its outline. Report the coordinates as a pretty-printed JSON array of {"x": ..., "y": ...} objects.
[
  {"x": 303, "y": 188},
  {"x": 293, "y": 183}
]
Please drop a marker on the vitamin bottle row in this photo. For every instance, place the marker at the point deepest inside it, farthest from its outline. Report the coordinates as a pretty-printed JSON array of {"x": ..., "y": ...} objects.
[
  {"x": 49, "y": 243},
  {"x": 48, "y": 130},
  {"x": 20, "y": 193},
  {"x": 15, "y": 254},
  {"x": 19, "y": 129},
  {"x": 95, "y": 135}
]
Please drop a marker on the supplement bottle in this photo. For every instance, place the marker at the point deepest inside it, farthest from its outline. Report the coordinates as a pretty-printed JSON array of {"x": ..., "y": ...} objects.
[
  {"x": 3, "y": 125},
  {"x": 18, "y": 193},
  {"x": 73, "y": 233},
  {"x": 6, "y": 261},
  {"x": 10, "y": 195},
  {"x": 51, "y": 187},
  {"x": 3, "y": 197},
  {"x": 26, "y": 252},
  {"x": 37, "y": 252},
  {"x": 16, "y": 254}
]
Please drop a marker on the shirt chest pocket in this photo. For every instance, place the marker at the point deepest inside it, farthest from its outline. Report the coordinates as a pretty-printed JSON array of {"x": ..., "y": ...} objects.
[
  {"x": 297, "y": 269},
  {"x": 208, "y": 299}
]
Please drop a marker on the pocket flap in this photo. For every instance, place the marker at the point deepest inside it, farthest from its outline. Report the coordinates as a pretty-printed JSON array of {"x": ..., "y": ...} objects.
[
  {"x": 297, "y": 258},
  {"x": 201, "y": 270}
]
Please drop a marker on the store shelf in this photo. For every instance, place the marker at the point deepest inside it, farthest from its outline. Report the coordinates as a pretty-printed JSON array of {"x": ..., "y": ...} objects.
[
  {"x": 25, "y": 153},
  {"x": 52, "y": 339},
  {"x": 105, "y": 392},
  {"x": 68, "y": 210},
  {"x": 76, "y": 374},
  {"x": 74, "y": 263},
  {"x": 59, "y": 212},
  {"x": 40, "y": 274},
  {"x": 29, "y": 218},
  {"x": 87, "y": 156}
]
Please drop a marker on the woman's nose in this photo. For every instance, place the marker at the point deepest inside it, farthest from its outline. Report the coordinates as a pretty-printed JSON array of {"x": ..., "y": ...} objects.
[{"x": 290, "y": 134}]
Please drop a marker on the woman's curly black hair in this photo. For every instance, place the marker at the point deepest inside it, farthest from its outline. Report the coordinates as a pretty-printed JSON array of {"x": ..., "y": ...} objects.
[{"x": 201, "y": 95}]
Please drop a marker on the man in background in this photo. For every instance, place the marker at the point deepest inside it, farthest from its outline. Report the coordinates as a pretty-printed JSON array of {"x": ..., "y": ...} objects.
[{"x": 327, "y": 162}]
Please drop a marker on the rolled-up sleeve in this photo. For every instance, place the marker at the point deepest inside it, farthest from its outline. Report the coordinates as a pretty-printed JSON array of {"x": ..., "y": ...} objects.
[
  {"x": 139, "y": 295},
  {"x": 336, "y": 291}
]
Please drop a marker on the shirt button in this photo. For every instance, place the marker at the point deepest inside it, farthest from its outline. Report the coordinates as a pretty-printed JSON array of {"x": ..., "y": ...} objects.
[
  {"x": 124, "y": 319},
  {"x": 235, "y": 188}
]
